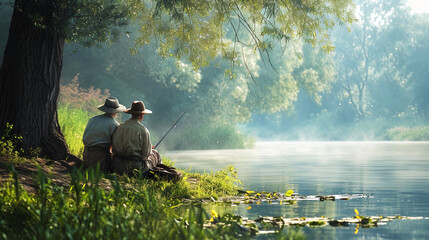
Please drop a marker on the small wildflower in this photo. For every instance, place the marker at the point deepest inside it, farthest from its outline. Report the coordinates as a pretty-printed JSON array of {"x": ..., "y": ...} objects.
[
  {"x": 357, "y": 212},
  {"x": 214, "y": 216}
]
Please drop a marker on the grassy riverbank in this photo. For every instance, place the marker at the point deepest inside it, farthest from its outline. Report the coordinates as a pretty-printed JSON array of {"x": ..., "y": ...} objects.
[
  {"x": 124, "y": 208},
  {"x": 72, "y": 203}
]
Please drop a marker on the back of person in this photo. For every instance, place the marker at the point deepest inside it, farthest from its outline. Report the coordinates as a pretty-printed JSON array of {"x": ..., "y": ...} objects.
[
  {"x": 131, "y": 139},
  {"x": 131, "y": 143},
  {"x": 133, "y": 150},
  {"x": 97, "y": 136}
]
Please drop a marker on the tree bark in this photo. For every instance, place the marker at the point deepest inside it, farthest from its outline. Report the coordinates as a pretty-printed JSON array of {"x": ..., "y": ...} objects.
[{"x": 30, "y": 76}]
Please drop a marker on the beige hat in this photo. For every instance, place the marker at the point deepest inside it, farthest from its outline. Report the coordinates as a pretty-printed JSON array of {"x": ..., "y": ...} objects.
[
  {"x": 138, "y": 107},
  {"x": 111, "y": 105}
]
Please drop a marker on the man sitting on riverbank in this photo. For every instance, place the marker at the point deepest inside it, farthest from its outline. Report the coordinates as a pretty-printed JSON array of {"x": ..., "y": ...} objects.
[
  {"x": 133, "y": 150},
  {"x": 97, "y": 136},
  {"x": 132, "y": 147}
]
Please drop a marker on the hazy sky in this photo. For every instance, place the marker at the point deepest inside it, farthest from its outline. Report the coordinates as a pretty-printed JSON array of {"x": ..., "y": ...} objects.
[{"x": 419, "y": 6}]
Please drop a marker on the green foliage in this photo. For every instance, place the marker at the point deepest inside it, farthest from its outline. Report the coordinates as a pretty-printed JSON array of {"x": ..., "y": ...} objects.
[
  {"x": 9, "y": 144},
  {"x": 379, "y": 76},
  {"x": 371, "y": 72},
  {"x": 73, "y": 122},
  {"x": 211, "y": 137},
  {"x": 316, "y": 73},
  {"x": 196, "y": 29},
  {"x": 215, "y": 184},
  {"x": 193, "y": 186},
  {"x": 214, "y": 103},
  {"x": 214, "y": 98},
  {"x": 379, "y": 81},
  {"x": 92, "y": 22},
  {"x": 408, "y": 134},
  {"x": 78, "y": 104},
  {"x": 417, "y": 65},
  {"x": 85, "y": 210}
]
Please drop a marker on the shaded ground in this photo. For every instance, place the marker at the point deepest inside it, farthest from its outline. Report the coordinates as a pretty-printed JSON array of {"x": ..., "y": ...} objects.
[{"x": 57, "y": 171}]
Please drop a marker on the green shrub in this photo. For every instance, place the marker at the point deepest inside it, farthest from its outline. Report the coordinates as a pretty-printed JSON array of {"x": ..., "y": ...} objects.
[
  {"x": 9, "y": 144},
  {"x": 408, "y": 134},
  {"x": 212, "y": 137}
]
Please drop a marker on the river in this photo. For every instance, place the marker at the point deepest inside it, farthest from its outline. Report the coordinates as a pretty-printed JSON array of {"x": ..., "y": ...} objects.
[{"x": 394, "y": 174}]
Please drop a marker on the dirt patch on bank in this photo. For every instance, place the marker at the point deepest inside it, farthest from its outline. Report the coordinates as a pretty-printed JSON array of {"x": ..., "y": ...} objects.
[{"x": 27, "y": 169}]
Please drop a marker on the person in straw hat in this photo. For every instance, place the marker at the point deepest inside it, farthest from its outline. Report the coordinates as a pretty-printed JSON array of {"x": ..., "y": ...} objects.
[
  {"x": 97, "y": 136},
  {"x": 131, "y": 144}
]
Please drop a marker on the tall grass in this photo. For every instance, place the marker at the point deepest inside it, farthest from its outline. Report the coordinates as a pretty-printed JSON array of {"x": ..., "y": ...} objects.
[
  {"x": 73, "y": 122},
  {"x": 86, "y": 211},
  {"x": 193, "y": 186}
]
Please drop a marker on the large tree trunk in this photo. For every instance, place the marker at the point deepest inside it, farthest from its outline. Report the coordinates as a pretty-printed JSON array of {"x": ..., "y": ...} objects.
[{"x": 29, "y": 77}]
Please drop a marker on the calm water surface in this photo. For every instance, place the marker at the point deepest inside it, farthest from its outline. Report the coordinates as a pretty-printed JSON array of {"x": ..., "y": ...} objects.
[{"x": 396, "y": 174}]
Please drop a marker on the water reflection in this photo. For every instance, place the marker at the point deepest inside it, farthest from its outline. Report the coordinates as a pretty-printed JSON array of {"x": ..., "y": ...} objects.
[{"x": 395, "y": 173}]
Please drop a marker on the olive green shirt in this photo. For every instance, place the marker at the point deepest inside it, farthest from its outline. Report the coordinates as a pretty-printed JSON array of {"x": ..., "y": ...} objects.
[
  {"x": 99, "y": 130},
  {"x": 132, "y": 139}
]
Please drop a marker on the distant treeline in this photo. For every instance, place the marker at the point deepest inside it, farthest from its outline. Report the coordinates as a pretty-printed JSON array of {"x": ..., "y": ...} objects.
[{"x": 373, "y": 86}]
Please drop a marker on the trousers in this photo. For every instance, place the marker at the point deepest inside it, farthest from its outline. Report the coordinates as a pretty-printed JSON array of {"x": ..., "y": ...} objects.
[
  {"x": 129, "y": 164},
  {"x": 93, "y": 156}
]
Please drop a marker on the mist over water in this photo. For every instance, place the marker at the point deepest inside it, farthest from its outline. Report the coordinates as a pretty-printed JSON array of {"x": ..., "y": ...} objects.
[{"x": 395, "y": 174}]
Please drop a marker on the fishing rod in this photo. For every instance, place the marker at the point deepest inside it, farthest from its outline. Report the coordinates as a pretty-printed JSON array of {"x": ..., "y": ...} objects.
[{"x": 170, "y": 129}]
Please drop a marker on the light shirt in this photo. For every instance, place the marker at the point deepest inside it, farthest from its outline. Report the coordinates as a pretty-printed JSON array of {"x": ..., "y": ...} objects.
[
  {"x": 99, "y": 131},
  {"x": 132, "y": 139}
]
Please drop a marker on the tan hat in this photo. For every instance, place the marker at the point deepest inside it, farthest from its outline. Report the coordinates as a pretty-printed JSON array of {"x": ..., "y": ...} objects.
[
  {"x": 138, "y": 107},
  {"x": 111, "y": 105}
]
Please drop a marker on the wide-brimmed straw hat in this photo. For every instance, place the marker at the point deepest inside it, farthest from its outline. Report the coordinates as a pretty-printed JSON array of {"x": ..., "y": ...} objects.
[
  {"x": 111, "y": 105},
  {"x": 138, "y": 107}
]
